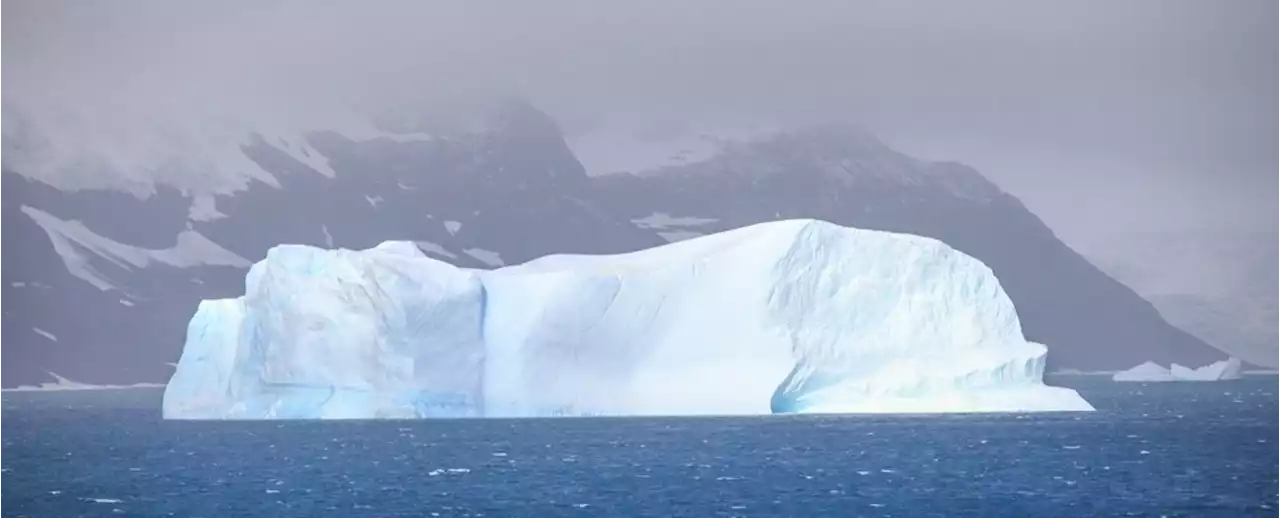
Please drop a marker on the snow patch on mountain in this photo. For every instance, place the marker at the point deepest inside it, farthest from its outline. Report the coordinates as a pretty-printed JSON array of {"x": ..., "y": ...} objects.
[
  {"x": 673, "y": 228},
  {"x": 679, "y": 235},
  {"x": 298, "y": 148},
  {"x": 78, "y": 246},
  {"x": 115, "y": 145},
  {"x": 662, "y": 221},
  {"x": 435, "y": 248},
  {"x": 633, "y": 147},
  {"x": 204, "y": 207},
  {"x": 64, "y": 384},
  {"x": 488, "y": 257}
]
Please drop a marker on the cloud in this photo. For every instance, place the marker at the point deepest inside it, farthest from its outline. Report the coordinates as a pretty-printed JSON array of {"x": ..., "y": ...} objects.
[{"x": 1161, "y": 111}]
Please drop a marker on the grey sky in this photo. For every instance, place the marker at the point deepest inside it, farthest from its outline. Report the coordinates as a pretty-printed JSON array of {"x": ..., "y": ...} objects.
[{"x": 1103, "y": 116}]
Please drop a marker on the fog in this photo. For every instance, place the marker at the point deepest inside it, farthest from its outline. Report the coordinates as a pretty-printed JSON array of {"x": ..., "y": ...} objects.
[{"x": 1104, "y": 117}]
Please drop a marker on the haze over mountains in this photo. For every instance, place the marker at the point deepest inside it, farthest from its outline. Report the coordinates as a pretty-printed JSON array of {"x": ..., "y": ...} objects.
[
  {"x": 105, "y": 281},
  {"x": 1220, "y": 286},
  {"x": 1103, "y": 117},
  {"x": 152, "y": 149}
]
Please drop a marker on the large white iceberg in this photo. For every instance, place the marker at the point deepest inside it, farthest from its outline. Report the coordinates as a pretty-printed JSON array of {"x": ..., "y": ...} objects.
[
  {"x": 1228, "y": 369},
  {"x": 789, "y": 316}
]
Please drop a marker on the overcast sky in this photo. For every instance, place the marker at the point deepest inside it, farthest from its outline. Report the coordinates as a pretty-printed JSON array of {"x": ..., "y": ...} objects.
[{"x": 1105, "y": 117}]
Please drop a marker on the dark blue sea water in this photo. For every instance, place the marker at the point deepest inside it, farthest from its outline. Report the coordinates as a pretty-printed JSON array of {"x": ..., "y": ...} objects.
[{"x": 1177, "y": 449}]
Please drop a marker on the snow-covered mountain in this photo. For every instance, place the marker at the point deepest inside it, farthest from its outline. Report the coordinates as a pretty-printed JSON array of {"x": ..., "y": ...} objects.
[{"x": 102, "y": 281}]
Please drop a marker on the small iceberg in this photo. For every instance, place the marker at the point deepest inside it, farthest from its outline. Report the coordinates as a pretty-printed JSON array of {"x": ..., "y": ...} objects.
[
  {"x": 1148, "y": 371},
  {"x": 1228, "y": 369}
]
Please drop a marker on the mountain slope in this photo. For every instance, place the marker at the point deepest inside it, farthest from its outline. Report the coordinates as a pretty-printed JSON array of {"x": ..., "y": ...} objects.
[
  {"x": 1218, "y": 285},
  {"x": 503, "y": 195},
  {"x": 1089, "y": 320},
  {"x": 83, "y": 302},
  {"x": 476, "y": 200}
]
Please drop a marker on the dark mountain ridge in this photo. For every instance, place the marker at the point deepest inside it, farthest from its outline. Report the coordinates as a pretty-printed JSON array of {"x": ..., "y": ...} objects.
[{"x": 506, "y": 195}]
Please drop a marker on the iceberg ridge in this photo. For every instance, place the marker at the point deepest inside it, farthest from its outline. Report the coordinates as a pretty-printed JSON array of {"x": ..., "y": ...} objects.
[{"x": 779, "y": 317}]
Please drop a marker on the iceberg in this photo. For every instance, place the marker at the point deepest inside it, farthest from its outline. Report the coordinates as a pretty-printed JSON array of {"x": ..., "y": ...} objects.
[
  {"x": 796, "y": 316},
  {"x": 1146, "y": 372},
  {"x": 1228, "y": 369},
  {"x": 1222, "y": 370}
]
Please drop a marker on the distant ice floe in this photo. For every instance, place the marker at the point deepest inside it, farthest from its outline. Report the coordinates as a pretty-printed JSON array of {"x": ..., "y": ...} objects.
[
  {"x": 1229, "y": 369},
  {"x": 452, "y": 227},
  {"x": 64, "y": 384},
  {"x": 77, "y": 245}
]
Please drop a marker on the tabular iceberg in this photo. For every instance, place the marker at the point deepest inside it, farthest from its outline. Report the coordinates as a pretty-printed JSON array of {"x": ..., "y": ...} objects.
[{"x": 780, "y": 317}]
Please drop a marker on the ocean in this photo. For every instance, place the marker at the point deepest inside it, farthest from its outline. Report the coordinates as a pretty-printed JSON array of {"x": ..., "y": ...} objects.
[{"x": 1173, "y": 449}]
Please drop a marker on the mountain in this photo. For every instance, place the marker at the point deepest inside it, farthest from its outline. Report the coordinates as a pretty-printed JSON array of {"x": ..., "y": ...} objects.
[
  {"x": 101, "y": 287},
  {"x": 102, "y": 282},
  {"x": 1218, "y": 285},
  {"x": 840, "y": 174}
]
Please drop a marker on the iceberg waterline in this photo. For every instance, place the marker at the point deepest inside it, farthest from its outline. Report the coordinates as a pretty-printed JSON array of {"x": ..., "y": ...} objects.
[{"x": 787, "y": 316}]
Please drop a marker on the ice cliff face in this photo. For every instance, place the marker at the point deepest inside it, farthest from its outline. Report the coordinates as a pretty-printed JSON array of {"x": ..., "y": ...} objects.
[{"x": 789, "y": 316}]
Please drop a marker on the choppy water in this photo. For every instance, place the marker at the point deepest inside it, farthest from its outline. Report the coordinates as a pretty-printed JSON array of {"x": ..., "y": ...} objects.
[{"x": 1177, "y": 449}]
